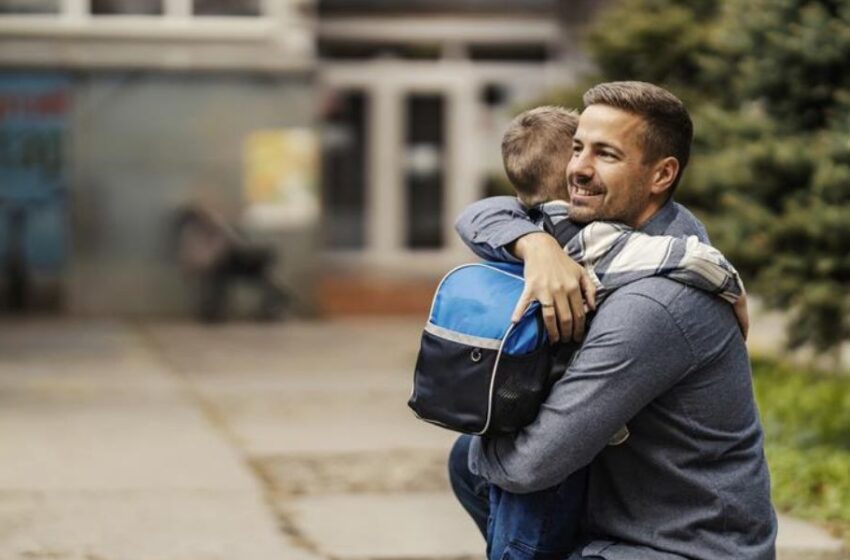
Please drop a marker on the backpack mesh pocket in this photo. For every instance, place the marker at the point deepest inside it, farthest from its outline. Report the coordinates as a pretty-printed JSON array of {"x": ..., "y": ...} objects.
[{"x": 521, "y": 386}]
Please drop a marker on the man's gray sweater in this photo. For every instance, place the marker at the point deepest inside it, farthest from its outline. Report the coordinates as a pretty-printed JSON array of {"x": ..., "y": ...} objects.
[{"x": 669, "y": 361}]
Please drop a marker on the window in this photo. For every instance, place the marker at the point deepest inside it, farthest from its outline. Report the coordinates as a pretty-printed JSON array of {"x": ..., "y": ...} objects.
[
  {"x": 343, "y": 170},
  {"x": 359, "y": 50},
  {"x": 227, "y": 8},
  {"x": 29, "y": 7},
  {"x": 424, "y": 170},
  {"x": 126, "y": 7},
  {"x": 509, "y": 52}
]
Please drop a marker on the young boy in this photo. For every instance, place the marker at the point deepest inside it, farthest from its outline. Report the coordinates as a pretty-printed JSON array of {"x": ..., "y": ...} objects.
[{"x": 535, "y": 151}]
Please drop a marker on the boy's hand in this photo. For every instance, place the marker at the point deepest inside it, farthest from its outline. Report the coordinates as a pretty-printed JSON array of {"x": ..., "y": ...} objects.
[
  {"x": 742, "y": 315},
  {"x": 559, "y": 283}
]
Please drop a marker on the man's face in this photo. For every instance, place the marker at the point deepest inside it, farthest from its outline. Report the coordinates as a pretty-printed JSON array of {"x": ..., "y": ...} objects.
[{"x": 606, "y": 174}]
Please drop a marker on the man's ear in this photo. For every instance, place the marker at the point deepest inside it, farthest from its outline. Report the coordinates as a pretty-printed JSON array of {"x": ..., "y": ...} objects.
[{"x": 666, "y": 171}]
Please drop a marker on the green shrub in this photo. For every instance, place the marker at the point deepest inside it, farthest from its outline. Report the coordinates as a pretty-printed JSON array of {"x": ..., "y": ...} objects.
[{"x": 806, "y": 417}]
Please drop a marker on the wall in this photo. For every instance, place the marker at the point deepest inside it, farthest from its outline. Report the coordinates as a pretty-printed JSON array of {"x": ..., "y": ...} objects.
[{"x": 140, "y": 144}]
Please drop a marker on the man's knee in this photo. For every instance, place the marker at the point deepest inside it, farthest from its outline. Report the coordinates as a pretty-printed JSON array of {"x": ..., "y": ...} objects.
[
  {"x": 471, "y": 490},
  {"x": 459, "y": 460}
]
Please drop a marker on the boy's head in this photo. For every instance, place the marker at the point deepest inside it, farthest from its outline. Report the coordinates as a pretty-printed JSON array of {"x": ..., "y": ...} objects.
[{"x": 535, "y": 150}]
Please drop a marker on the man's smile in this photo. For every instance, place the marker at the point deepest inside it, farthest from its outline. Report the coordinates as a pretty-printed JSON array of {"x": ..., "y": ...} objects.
[{"x": 584, "y": 193}]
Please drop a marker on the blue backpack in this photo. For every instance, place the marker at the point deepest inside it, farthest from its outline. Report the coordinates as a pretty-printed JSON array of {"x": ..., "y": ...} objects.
[{"x": 477, "y": 372}]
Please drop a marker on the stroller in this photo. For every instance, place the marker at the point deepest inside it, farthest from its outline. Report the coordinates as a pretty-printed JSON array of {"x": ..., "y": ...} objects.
[{"x": 216, "y": 255}]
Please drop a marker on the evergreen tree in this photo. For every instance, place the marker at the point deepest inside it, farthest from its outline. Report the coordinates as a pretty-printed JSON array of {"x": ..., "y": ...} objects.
[{"x": 768, "y": 84}]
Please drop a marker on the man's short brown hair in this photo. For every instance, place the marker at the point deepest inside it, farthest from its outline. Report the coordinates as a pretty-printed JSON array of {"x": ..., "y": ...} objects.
[
  {"x": 535, "y": 151},
  {"x": 669, "y": 130}
]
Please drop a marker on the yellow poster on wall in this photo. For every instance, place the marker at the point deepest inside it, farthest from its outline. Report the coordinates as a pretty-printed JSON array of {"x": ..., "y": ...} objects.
[{"x": 281, "y": 176}]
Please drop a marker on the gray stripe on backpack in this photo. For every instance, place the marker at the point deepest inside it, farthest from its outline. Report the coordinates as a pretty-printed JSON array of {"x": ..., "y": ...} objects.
[{"x": 468, "y": 339}]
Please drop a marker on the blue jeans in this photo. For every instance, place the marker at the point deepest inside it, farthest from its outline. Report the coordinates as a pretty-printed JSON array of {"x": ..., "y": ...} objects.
[{"x": 541, "y": 525}]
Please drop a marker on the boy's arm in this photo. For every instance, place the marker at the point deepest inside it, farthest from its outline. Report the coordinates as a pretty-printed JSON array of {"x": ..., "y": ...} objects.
[
  {"x": 617, "y": 255},
  {"x": 492, "y": 225},
  {"x": 499, "y": 228},
  {"x": 702, "y": 263}
]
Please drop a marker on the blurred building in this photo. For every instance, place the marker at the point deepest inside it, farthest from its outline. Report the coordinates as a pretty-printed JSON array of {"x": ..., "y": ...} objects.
[
  {"x": 113, "y": 113},
  {"x": 116, "y": 112},
  {"x": 416, "y": 95}
]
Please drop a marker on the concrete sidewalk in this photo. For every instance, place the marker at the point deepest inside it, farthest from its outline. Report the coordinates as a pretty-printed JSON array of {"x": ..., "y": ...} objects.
[
  {"x": 288, "y": 442},
  {"x": 105, "y": 455}
]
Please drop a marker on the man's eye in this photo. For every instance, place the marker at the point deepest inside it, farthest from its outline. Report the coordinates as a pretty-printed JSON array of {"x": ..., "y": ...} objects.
[{"x": 608, "y": 155}]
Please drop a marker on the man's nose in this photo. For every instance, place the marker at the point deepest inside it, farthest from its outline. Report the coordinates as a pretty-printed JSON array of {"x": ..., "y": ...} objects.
[
  {"x": 580, "y": 172},
  {"x": 581, "y": 178},
  {"x": 580, "y": 166}
]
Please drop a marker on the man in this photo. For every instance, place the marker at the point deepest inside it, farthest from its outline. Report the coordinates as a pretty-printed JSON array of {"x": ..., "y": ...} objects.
[{"x": 666, "y": 359}]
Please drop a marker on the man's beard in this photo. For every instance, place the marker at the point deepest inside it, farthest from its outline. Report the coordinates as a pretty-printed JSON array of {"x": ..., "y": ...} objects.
[
  {"x": 600, "y": 207},
  {"x": 585, "y": 213}
]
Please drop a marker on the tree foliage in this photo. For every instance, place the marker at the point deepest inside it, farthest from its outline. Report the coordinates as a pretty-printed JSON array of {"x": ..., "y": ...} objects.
[{"x": 768, "y": 85}]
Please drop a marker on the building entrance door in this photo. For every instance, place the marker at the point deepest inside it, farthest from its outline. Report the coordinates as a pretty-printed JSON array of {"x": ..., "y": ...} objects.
[
  {"x": 344, "y": 170},
  {"x": 424, "y": 172}
]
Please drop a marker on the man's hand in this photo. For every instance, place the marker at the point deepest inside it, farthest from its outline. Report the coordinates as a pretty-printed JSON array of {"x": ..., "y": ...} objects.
[
  {"x": 743, "y": 315},
  {"x": 558, "y": 283}
]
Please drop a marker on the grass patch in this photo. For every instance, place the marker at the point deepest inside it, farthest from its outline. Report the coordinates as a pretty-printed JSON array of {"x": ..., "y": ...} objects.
[{"x": 806, "y": 417}]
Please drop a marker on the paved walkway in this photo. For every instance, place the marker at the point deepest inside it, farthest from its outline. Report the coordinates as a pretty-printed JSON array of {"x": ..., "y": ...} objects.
[{"x": 287, "y": 442}]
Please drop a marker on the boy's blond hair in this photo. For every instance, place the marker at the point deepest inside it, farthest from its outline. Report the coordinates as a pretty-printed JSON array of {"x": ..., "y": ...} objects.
[{"x": 535, "y": 150}]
